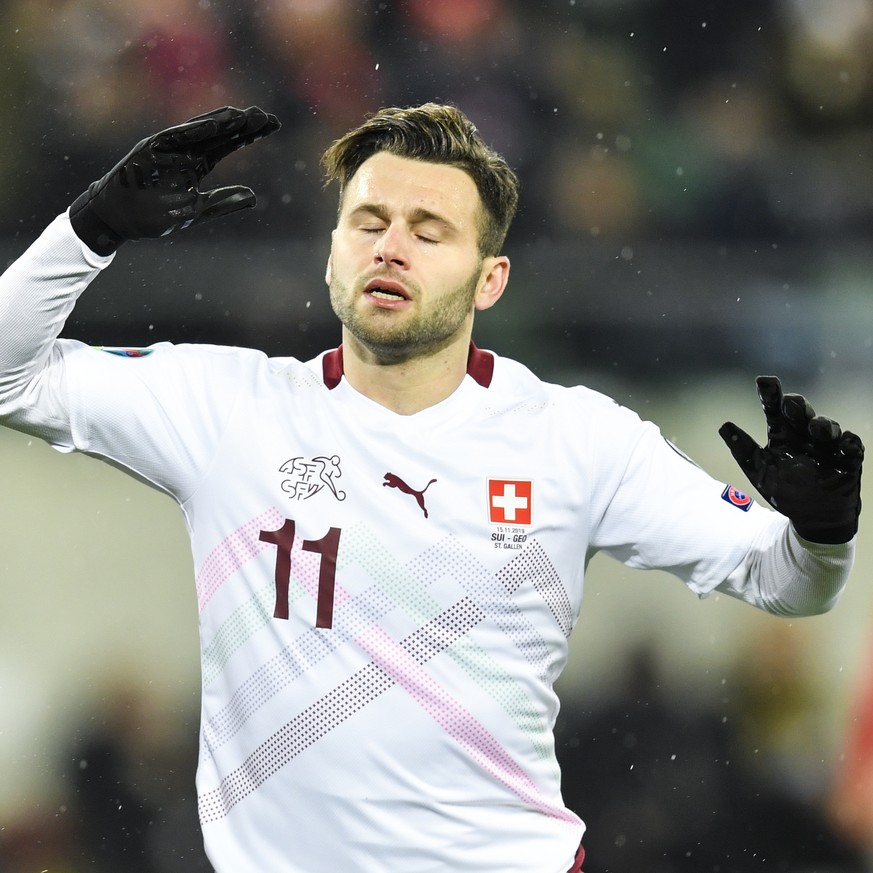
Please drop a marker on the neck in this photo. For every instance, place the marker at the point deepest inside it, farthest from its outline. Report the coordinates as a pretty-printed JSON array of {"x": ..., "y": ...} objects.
[{"x": 406, "y": 386}]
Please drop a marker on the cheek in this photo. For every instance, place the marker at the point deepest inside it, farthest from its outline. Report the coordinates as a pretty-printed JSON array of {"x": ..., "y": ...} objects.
[
  {"x": 336, "y": 263},
  {"x": 345, "y": 258}
]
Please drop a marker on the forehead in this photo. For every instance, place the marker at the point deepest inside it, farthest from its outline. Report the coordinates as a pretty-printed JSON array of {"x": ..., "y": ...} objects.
[{"x": 403, "y": 184}]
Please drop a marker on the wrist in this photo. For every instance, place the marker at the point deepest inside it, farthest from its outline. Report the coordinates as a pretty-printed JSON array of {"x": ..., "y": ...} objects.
[
  {"x": 91, "y": 229},
  {"x": 826, "y": 534}
]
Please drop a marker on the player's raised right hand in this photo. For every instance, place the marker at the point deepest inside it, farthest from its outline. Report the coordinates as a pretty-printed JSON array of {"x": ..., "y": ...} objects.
[{"x": 155, "y": 189}]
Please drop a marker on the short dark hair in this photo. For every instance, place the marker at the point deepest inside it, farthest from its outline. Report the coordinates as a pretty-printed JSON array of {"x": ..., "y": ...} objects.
[{"x": 441, "y": 134}]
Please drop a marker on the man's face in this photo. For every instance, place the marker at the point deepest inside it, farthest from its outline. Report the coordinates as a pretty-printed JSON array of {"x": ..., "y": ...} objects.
[{"x": 404, "y": 269}]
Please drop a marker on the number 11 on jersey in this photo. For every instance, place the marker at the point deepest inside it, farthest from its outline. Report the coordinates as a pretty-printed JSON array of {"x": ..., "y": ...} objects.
[{"x": 327, "y": 547}]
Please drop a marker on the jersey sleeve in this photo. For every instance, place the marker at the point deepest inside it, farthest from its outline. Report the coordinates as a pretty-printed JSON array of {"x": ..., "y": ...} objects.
[
  {"x": 667, "y": 513},
  {"x": 157, "y": 412},
  {"x": 37, "y": 294}
]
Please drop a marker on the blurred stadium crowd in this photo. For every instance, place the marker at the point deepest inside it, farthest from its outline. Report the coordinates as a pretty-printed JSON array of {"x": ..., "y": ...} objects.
[
  {"x": 625, "y": 119},
  {"x": 631, "y": 121}
]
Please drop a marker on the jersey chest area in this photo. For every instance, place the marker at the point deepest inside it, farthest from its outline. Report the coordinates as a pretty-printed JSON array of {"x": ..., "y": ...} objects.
[
  {"x": 491, "y": 488},
  {"x": 439, "y": 513}
]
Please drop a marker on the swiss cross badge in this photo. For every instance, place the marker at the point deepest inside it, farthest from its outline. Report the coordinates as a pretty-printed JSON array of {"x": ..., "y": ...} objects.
[{"x": 510, "y": 501}]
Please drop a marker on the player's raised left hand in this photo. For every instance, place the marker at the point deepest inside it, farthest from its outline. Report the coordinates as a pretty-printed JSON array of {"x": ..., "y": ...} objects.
[
  {"x": 155, "y": 188},
  {"x": 810, "y": 469}
]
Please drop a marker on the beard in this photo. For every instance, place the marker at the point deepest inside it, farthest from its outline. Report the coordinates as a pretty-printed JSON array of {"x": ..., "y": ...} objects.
[{"x": 393, "y": 339}]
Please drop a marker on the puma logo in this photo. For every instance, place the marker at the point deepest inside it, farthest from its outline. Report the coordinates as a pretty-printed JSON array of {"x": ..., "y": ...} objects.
[{"x": 392, "y": 481}]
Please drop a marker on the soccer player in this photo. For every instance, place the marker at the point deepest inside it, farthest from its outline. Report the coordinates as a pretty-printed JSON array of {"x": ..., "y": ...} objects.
[{"x": 390, "y": 540}]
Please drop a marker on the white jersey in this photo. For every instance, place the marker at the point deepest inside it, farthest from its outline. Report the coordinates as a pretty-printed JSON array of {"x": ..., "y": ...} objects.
[{"x": 385, "y": 601}]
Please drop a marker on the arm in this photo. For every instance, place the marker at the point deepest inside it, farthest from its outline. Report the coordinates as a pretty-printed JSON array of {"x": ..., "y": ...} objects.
[
  {"x": 37, "y": 294},
  {"x": 784, "y": 574},
  {"x": 662, "y": 511},
  {"x": 153, "y": 191}
]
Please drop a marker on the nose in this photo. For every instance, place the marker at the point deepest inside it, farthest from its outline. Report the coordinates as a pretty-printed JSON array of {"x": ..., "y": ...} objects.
[{"x": 391, "y": 247}]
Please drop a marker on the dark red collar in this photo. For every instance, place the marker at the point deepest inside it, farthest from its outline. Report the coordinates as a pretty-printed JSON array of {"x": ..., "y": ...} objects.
[
  {"x": 480, "y": 366},
  {"x": 332, "y": 368}
]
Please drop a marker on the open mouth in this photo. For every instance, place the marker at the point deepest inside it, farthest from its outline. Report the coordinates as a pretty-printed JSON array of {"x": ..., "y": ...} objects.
[
  {"x": 385, "y": 289},
  {"x": 385, "y": 294}
]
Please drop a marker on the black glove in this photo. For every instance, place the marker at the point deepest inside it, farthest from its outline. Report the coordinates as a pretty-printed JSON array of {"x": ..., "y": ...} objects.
[
  {"x": 154, "y": 189},
  {"x": 810, "y": 469}
]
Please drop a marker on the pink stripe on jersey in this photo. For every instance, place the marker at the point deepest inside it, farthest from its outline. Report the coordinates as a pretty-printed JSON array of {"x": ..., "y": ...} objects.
[
  {"x": 460, "y": 724},
  {"x": 234, "y": 551},
  {"x": 393, "y": 663}
]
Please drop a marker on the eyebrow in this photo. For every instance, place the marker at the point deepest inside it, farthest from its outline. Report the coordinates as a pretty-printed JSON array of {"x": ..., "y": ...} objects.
[{"x": 418, "y": 215}]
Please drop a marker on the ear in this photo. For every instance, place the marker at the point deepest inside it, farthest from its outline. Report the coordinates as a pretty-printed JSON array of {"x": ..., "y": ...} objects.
[{"x": 495, "y": 275}]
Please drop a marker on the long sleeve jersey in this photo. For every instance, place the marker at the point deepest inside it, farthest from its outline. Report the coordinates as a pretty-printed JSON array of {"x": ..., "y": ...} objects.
[{"x": 385, "y": 601}]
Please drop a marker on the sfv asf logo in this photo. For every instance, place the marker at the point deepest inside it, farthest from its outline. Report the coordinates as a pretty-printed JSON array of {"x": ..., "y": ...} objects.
[{"x": 305, "y": 478}]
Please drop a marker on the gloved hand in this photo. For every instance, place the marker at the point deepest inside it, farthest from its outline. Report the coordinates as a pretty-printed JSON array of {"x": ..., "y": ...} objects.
[
  {"x": 810, "y": 469},
  {"x": 154, "y": 189}
]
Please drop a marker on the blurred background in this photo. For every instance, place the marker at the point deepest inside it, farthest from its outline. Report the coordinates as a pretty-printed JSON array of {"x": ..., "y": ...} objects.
[{"x": 697, "y": 206}]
